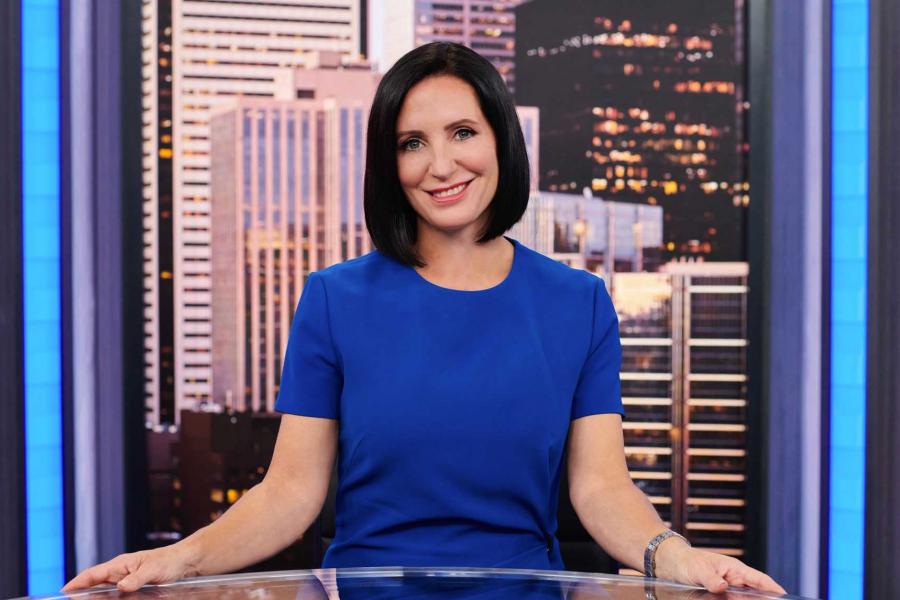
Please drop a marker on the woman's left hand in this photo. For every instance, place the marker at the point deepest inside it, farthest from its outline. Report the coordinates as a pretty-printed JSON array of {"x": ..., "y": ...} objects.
[{"x": 679, "y": 562}]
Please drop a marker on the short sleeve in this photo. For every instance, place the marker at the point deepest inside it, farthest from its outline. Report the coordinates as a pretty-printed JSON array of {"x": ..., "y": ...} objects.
[
  {"x": 311, "y": 380},
  {"x": 599, "y": 390}
]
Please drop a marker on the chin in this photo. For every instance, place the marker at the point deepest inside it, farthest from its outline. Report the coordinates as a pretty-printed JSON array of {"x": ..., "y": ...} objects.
[{"x": 452, "y": 226}]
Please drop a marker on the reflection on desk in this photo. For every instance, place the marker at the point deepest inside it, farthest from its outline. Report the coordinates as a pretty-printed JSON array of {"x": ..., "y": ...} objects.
[{"x": 389, "y": 583}]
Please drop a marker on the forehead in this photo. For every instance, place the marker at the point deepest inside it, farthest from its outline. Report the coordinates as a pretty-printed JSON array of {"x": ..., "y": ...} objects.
[{"x": 438, "y": 100}]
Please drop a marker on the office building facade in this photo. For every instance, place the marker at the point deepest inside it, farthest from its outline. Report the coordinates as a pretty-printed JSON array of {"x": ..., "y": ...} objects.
[
  {"x": 287, "y": 188},
  {"x": 684, "y": 386},
  {"x": 643, "y": 103},
  {"x": 486, "y": 26},
  {"x": 587, "y": 232},
  {"x": 198, "y": 56}
]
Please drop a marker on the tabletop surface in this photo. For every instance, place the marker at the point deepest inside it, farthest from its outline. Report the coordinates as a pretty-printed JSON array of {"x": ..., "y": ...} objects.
[{"x": 422, "y": 584}]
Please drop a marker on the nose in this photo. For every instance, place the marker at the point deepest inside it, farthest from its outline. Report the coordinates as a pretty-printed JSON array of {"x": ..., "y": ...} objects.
[{"x": 442, "y": 162}]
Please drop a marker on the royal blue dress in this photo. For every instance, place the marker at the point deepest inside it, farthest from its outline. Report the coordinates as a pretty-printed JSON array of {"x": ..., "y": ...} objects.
[{"x": 454, "y": 406}]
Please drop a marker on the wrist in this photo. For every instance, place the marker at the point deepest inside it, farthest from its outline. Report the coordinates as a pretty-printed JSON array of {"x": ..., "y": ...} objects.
[
  {"x": 669, "y": 555},
  {"x": 189, "y": 552}
]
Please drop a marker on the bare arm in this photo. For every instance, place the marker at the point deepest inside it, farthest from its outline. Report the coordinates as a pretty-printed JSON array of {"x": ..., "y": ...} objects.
[
  {"x": 622, "y": 520},
  {"x": 277, "y": 511},
  {"x": 268, "y": 518},
  {"x": 613, "y": 510}
]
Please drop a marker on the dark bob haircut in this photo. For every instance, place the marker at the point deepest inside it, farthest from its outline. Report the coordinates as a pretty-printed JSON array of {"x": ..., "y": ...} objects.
[{"x": 391, "y": 220}]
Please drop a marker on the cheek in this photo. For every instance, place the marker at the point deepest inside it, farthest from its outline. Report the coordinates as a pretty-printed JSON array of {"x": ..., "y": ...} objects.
[
  {"x": 483, "y": 158},
  {"x": 409, "y": 170}
]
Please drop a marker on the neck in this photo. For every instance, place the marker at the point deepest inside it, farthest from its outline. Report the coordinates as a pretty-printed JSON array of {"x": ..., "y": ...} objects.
[{"x": 458, "y": 261}]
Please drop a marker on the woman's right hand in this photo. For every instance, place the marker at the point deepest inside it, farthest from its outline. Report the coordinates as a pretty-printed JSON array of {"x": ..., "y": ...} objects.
[{"x": 128, "y": 572}]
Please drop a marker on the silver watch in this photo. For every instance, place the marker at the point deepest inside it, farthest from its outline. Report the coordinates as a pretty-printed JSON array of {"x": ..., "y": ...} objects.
[{"x": 650, "y": 550}]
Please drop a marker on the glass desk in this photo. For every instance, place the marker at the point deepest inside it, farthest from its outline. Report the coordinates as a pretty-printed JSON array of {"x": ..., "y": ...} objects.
[{"x": 388, "y": 583}]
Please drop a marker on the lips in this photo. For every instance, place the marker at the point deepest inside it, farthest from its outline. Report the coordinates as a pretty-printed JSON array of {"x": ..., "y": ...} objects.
[{"x": 450, "y": 193}]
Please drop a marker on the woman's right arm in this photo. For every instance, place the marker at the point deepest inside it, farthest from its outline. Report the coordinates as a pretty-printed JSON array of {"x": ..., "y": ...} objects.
[{"x": 269, "y": 517}]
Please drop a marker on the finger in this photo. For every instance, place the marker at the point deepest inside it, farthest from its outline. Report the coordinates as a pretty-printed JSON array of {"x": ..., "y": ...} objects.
[
  {"x": 134, "y": 581},
  {"x": 89, "y": 577},
  {"x": 715, "y": 584},
  {"x": 749, "y": 577},
  {"x": 107, "y": 573},
  {"x": 762, "y": 582},
  {"x": 713, "y": 581},
  {"x": 735, "y": 580},
  {"x": 148, "y": 572}
]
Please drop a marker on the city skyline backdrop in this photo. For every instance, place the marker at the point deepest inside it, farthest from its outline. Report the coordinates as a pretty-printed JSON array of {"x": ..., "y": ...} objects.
[{"x": 254, "y": 144}]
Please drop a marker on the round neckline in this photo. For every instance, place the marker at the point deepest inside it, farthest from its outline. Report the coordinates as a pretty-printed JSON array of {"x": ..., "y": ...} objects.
[{"x": 512, "y": 270}]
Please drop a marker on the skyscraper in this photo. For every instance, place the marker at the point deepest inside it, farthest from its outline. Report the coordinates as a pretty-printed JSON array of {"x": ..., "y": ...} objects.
[
  {"x": 486, "y": 26},
  {"x": 287, "y": 191},
  {"x": 684, "y": 386},
  {"x": 589, "y": 233},
  {"x": 198, "y": 56},
  {"x": 643, "y": 102}
]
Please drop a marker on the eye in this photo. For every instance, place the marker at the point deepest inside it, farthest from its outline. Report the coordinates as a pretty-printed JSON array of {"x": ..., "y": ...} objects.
[
  {"x": 465, "y": 130},
  {"x": 411, "y": 144}
]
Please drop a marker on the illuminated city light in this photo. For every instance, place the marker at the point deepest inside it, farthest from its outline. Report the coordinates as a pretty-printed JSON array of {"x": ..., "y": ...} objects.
[
  {"x": 626, "y": 157},
  {"x": 706, "y": 87},
  {"x": 697, "y": 43}
]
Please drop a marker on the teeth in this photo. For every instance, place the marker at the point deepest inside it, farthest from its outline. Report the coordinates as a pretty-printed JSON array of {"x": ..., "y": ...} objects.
[{"x": 451, "y": 191}]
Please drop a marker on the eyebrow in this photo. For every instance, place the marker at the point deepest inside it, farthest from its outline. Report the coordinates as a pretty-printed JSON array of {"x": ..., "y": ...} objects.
[{"x": 452, "y": 125}]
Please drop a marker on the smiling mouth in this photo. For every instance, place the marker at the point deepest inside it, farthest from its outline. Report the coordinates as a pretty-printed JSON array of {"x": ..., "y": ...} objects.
[{"x": 450, "y": 192}]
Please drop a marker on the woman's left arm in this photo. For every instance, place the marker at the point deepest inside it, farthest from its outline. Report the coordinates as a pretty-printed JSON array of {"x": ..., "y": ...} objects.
[{"x": 623, "y": 521}]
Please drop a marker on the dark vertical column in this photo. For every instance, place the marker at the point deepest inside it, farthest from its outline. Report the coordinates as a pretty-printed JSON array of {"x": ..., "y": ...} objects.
[
  {"x": 12, "y": 426},
  {"x": 680, "y": 392},
  {"x": 131, "y": 273},
  {"x": 108, "y": 241},
  {"x": 164, "y": 362},
  {"x": 66, "y": 274},
  {"x": 364, "y": 28},
  {"x": 782, "y": 245},
  {"x": 759, "y": 69},
  {"x": 785, "y": 350},
  {"x": 825, "y": 455},
  {"x": 882, "y": 527}
]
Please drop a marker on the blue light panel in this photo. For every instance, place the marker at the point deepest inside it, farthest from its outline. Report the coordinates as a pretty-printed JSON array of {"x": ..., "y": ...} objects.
[
  {"x": 849, "y": 234},
  {"x": 41, "y": 295}
]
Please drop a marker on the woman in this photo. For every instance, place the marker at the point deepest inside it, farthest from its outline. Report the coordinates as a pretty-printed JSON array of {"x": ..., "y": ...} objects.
[{"x": 459, "y": 364}]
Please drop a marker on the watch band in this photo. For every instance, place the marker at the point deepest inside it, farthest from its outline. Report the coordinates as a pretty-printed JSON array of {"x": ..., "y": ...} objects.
[{"x": 650, "y": 550}]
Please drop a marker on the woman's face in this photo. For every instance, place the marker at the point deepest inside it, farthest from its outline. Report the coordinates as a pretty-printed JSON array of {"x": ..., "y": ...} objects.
[{"x": 446, "y": 155}]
